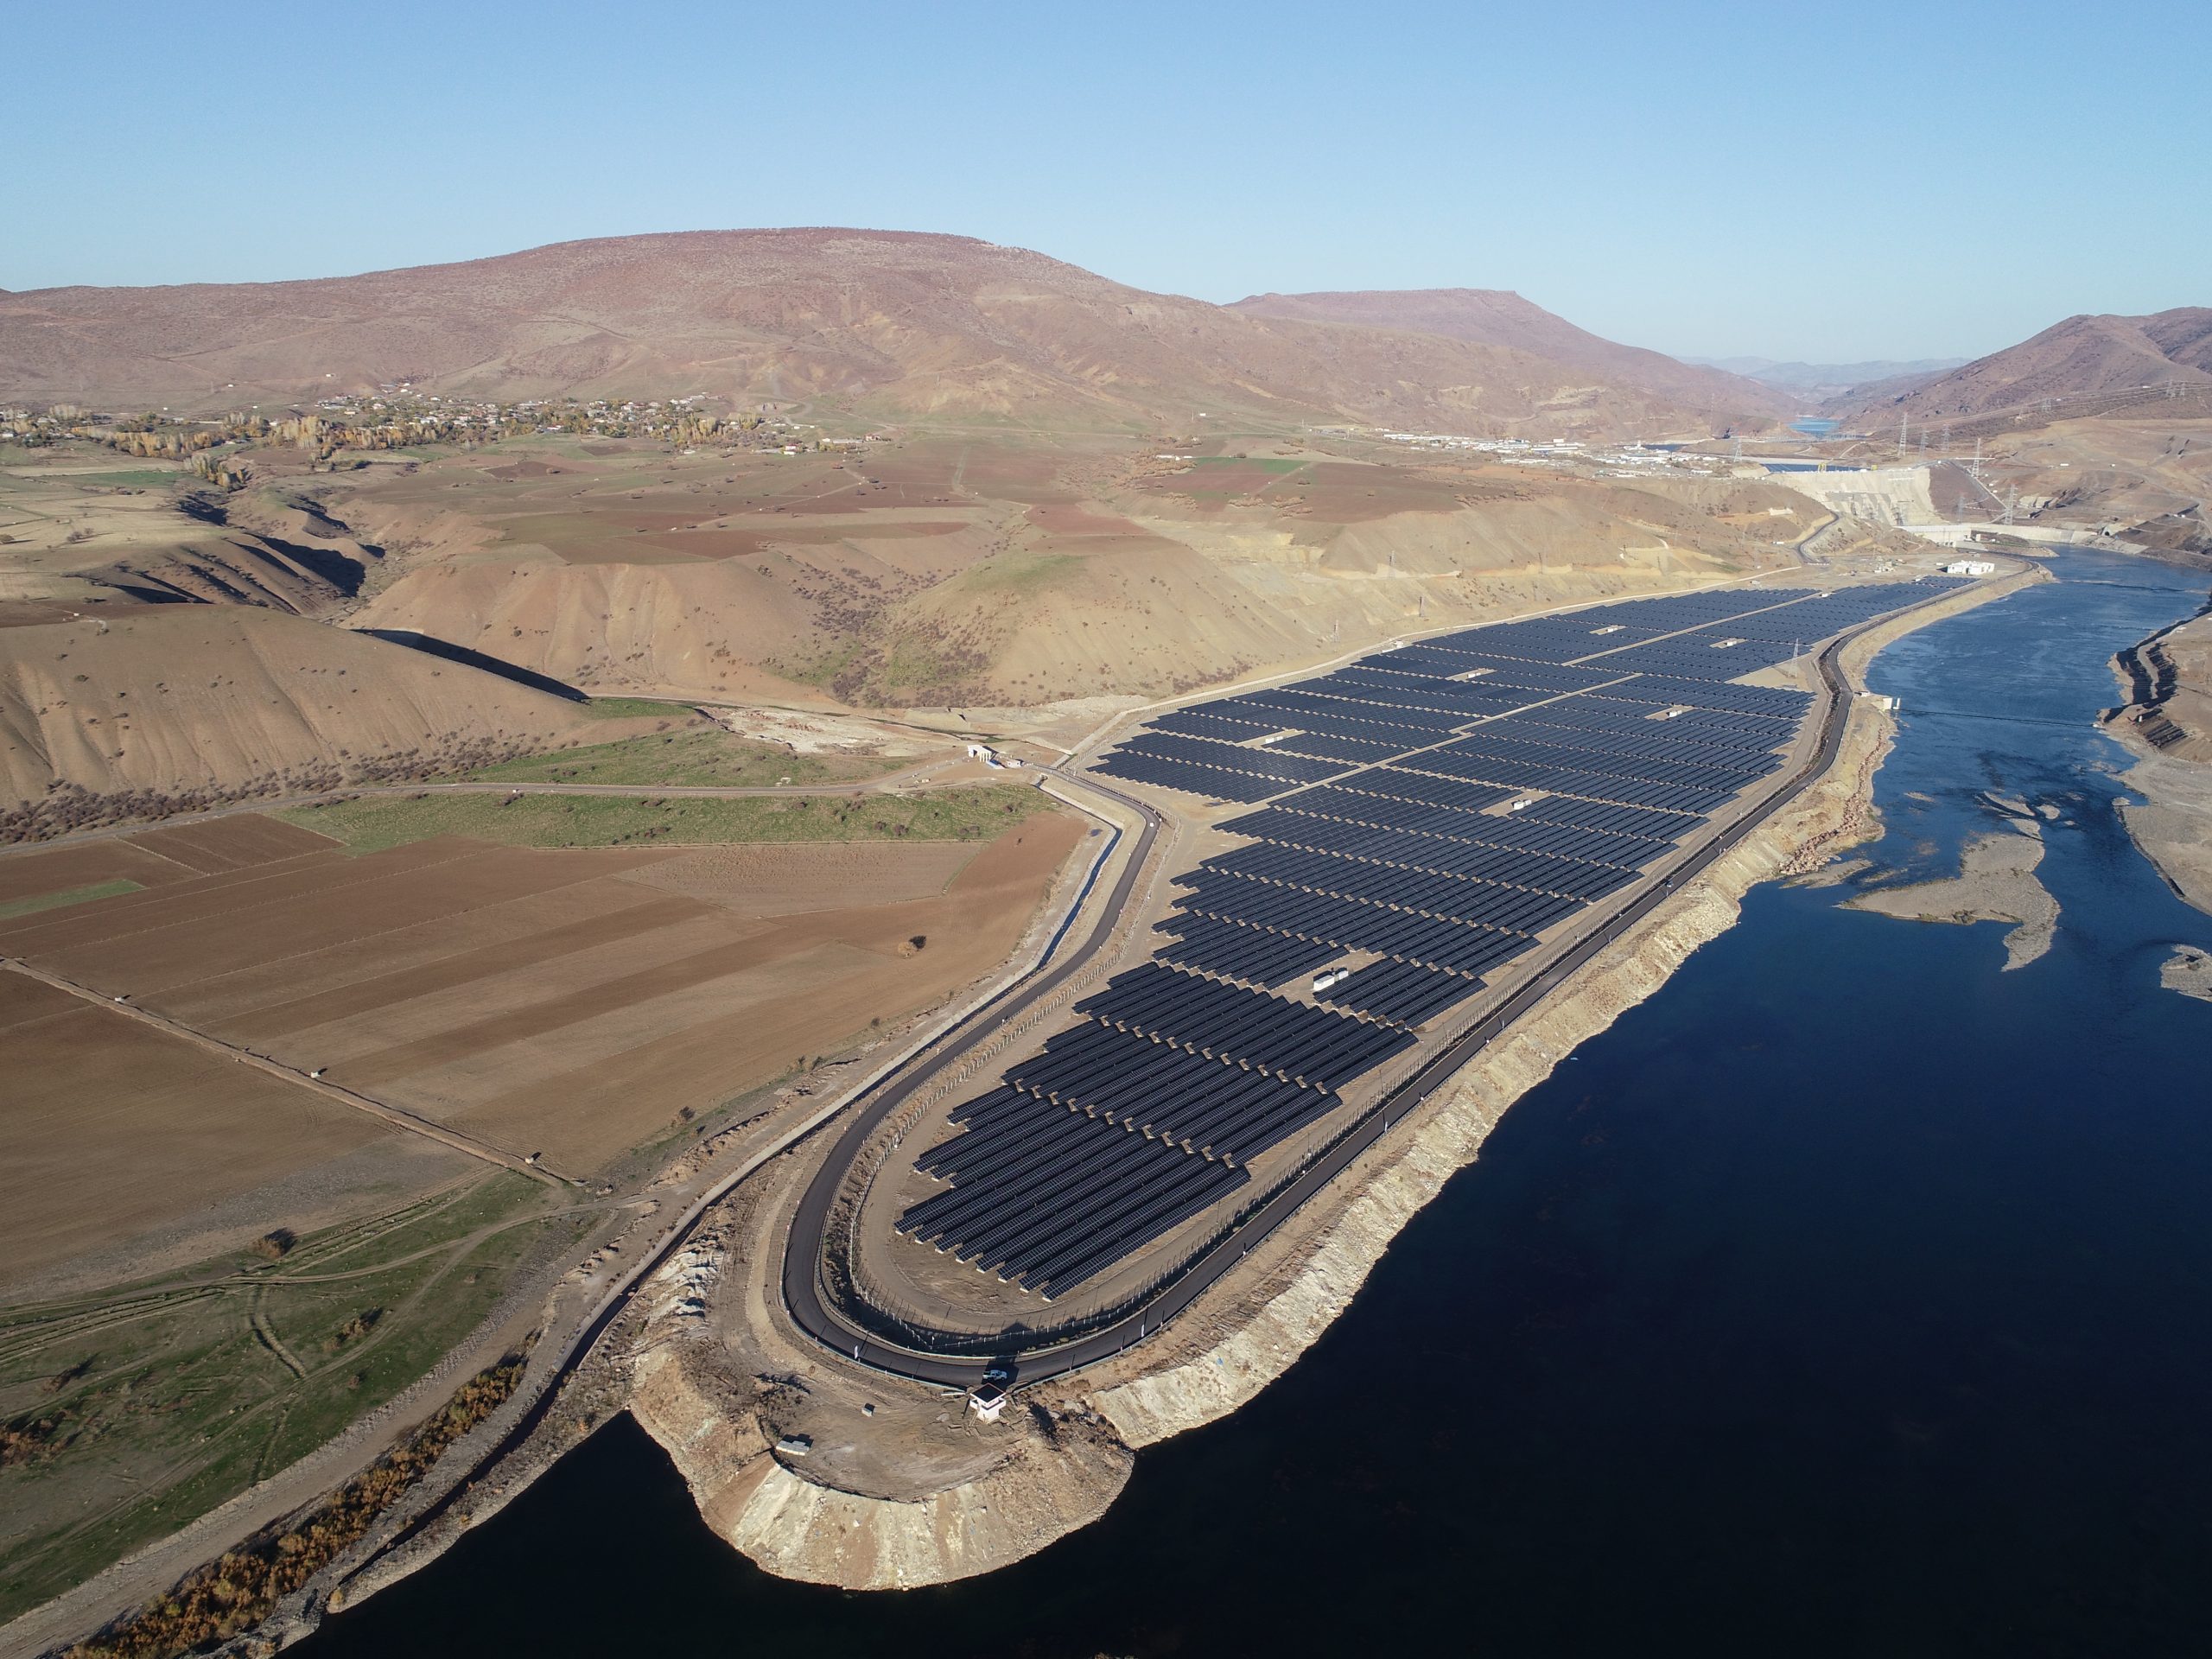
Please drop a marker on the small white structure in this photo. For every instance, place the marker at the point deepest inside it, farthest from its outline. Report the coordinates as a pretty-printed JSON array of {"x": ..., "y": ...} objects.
[
  {"x": 988, "y": 1398},
  {"x": 794, "y": 1445},
  {"x": 1335, "y": 976},
  {"x": 979, "y": 751},
  {"x": 1970, "y": 568}
]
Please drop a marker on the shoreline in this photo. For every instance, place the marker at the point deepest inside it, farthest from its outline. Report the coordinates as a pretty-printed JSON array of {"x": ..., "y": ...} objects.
[
  {"x": 2172, "y": 826},
  {"x": 1250, "y": 1329},
  {"x": 1066, "y": 1466}
]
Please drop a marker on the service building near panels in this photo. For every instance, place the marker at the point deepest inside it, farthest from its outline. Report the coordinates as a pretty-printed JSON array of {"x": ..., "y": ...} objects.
[{"x": 1388, "y": 848}]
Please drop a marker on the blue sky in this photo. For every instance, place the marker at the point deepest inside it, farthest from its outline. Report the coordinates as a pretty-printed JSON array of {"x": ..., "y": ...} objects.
[{"x": 1826, "y": 182}]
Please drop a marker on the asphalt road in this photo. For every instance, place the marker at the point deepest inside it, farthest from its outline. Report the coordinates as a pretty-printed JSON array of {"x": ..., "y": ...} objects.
[
  {"x": 803, "y": 1245},
  {"x": 803, "y": 1248}
]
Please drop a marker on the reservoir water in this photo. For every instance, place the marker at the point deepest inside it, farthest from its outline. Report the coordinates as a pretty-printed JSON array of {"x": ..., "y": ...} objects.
[{"x": 1847, "y": 1298}]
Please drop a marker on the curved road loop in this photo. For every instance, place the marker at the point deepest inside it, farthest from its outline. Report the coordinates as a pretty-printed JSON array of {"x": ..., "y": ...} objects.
[{"x": 803, "y": 1249}]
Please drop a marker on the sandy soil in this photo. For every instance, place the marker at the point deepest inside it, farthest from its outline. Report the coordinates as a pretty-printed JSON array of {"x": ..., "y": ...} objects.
[
  {"x": 542, "y": 998},
  {"x": 787, "y": 877},
  {"x": 1996, "y": 882},
  {"x": 115, "y": 1133},
  {"x": 183, "y": 697},
  {"x": 2166, "y": 723},
  {"x": 2188, "y": 970},
  {"x": 2143, "y": 476},
  {"x": 1074, "y": 568},
  {"x": 87, "y": 531}
]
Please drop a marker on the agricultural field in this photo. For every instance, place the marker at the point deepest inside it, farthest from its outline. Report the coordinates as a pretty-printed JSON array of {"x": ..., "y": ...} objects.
[{"x": 208, "y": 1270}]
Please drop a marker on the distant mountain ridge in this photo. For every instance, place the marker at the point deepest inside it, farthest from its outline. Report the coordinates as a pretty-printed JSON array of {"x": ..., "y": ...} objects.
[
  {"x": 891, "y": 324},
  {"x": 2083, "y": 357},
  {"x": 1826, "y": 380},
  {"x": 1499, "y": 317}
]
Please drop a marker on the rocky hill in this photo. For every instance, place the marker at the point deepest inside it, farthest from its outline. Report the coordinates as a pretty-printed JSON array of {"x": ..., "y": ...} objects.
[
  {"x": 2082, "y": 359},
  {"x": 891, "y": 325}
]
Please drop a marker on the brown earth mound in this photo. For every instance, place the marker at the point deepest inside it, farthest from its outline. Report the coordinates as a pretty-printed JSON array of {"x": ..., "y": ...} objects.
[
  {"x": 893, "y": 323},
  {"x": 181, "y": 698},
  {"x": 2085, "y": 357}
]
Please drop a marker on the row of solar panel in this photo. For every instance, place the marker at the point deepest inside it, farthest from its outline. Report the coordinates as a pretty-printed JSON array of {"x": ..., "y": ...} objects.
[
  {"x": 1210, "y": 752},
  {"x": 1210, "y": 1107},
  {"x": 1454, "y": 897},
  {"x": 1412, "y": 849},
  {"x": 1142, "y": 1117},
  {"x": 1656, "y": 742},
  {"x": 1406, "y": 991},
  {"x": 1355, "y": 927},
  {"x": 1268, "y": 959},
  {"x": 1699, "y": 728},
  {"x": 1086, "y": 1193},
  {"x": 1560, "y": 779},
  {"x": 1564, "y": 877},
  {"x": 1519, "y": 832},
  {"x": 1295, "y": 1040},
  {"x": 1649, "y": 760},
  {"x": 1211, "y": 782}
]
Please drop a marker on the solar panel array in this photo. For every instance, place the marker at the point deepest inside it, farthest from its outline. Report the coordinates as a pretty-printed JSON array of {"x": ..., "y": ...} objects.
[{"x": 1424, "y": 816}]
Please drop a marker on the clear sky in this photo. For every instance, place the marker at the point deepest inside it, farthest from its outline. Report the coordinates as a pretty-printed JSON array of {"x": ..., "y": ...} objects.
[{"x": 1787, "y": 180}]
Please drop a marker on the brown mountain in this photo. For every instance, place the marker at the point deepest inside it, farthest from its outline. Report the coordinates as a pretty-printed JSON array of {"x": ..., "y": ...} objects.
[
  {"x": 891, "y": 324},
  {"x": 2082, "y": 358},
  {"x": 1498, "y": 317}
]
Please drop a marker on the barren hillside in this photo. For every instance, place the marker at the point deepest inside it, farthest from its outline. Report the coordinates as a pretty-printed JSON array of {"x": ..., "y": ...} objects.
[
  {"x": 891, "y": 324},
  {"x": 184, "y": 699},
  {"x": 2084, "y": 357},
  {"x": 939, "y": 571},
  {"x": 1498, "y": 318}
]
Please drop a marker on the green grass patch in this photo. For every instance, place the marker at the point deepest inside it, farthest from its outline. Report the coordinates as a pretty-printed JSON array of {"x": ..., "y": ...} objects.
[
  {"x": 1016, "y": 573},
  {"x": 371, "y": 824},
  {"x": 1272, "y": 465},
  {"x": 137, "y": 1408},
  {"x": 709, "y": 758},
  {"x": 636, "y": 709},
  {"x": 136, "y": 478},
  {"x": 83, "y": 895}
]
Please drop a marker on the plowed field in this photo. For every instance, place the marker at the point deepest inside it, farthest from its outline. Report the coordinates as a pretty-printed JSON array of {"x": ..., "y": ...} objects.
[{"x": 572, "y": 1001}]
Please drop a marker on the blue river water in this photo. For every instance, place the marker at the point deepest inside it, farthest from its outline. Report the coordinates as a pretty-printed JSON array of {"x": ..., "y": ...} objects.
[{"x": 1849, "y": 1297}]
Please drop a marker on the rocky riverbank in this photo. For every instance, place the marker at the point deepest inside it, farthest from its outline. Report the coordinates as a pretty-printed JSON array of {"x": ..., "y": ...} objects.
[{"x": 2166, "y": 723}]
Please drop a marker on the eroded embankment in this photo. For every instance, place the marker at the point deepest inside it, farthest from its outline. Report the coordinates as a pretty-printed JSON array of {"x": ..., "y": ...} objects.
[{"x": 2166, "y": 723}]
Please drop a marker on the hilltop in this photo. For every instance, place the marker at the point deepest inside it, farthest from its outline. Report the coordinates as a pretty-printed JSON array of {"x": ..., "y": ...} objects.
[
  {"x": 888, "y": 324},
  {"x": 2085, "y": 357}
]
